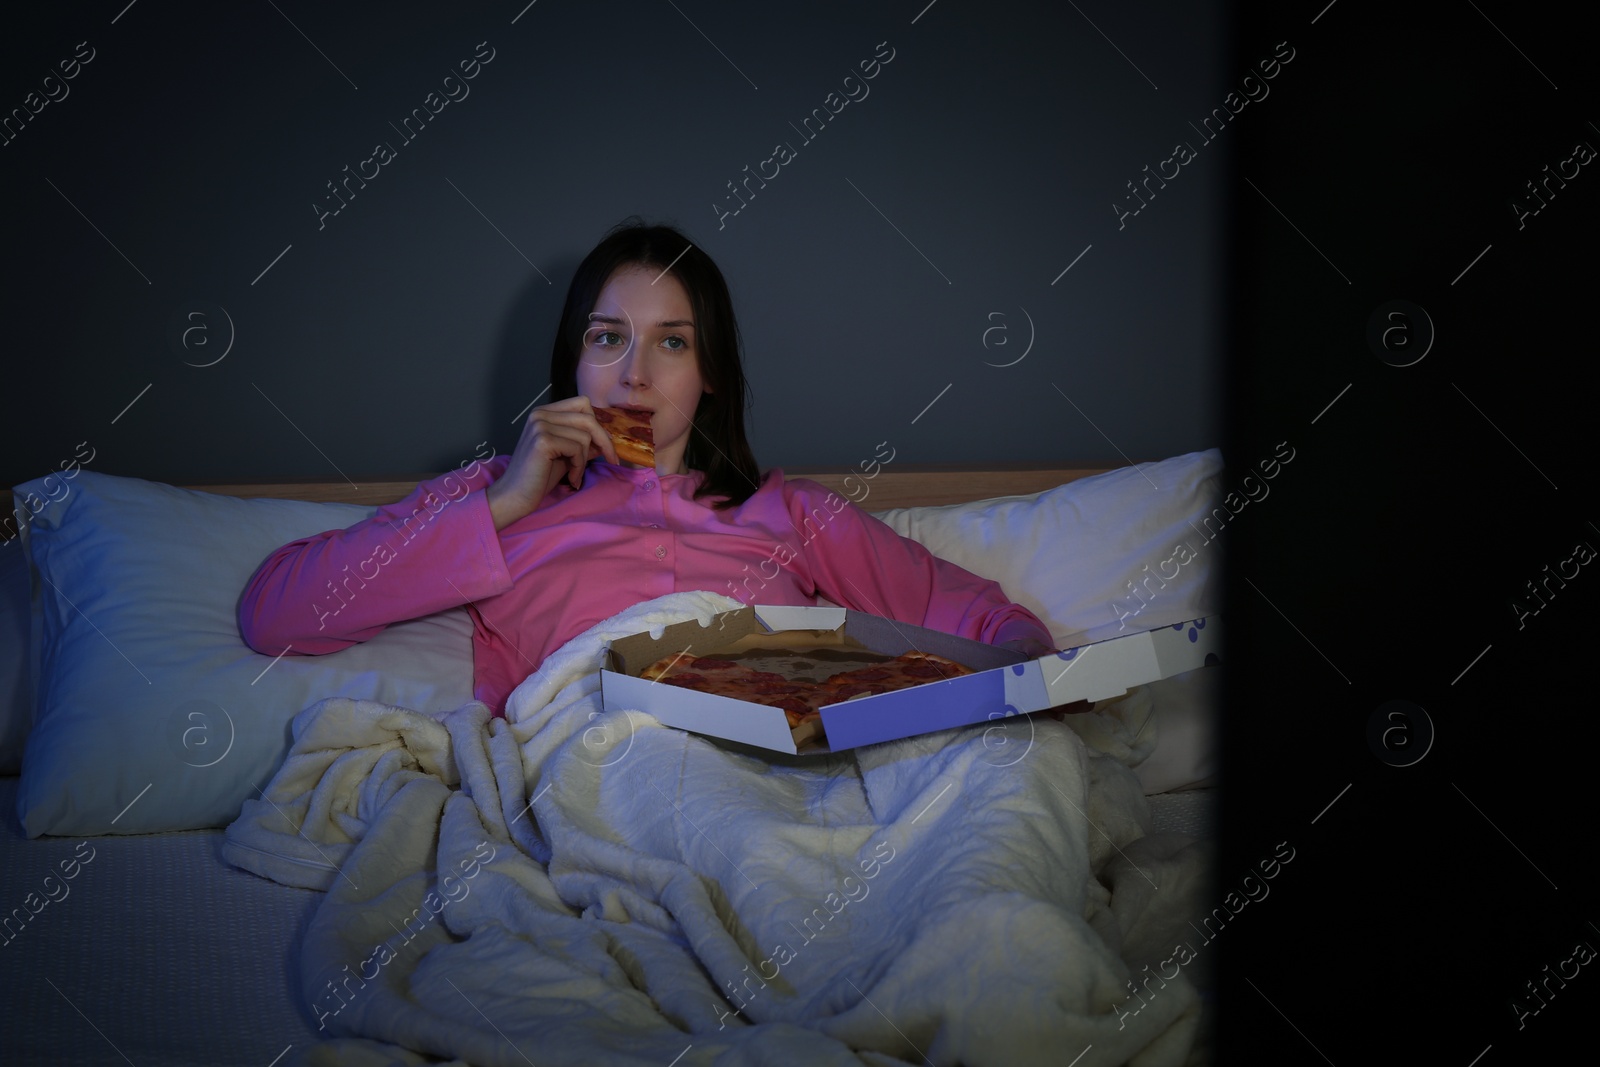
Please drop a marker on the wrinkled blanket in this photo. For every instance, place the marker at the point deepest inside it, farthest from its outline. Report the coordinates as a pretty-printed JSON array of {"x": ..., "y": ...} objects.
[{"x": 574, "y": 886}]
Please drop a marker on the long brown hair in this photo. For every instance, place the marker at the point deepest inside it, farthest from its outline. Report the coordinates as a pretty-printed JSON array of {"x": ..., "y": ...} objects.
[{"x": 717, "y": 444}]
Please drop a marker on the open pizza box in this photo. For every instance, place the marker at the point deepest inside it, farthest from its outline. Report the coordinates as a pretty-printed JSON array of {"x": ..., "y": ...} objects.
[{"x": 1005, "y": 683}]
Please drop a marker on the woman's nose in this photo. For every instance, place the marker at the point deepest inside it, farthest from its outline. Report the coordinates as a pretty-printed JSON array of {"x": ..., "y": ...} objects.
[{"x": 634, "y": 372}]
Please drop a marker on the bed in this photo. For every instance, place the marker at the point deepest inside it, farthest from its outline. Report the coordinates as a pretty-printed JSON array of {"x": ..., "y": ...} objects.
[{"x": 581, "y": 923}]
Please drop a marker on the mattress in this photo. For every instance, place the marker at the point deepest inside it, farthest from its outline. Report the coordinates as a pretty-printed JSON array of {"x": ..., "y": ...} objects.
[
  {"x": 1190, "y": 811},
  {"x": 157, "y": 953}
]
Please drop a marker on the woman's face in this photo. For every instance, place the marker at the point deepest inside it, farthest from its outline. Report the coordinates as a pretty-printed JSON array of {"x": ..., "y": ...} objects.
[{"x": 640, "y": 351}]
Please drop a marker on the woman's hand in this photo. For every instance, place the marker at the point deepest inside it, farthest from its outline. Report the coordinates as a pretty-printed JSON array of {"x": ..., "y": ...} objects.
[{"x": 556, "y": 443}]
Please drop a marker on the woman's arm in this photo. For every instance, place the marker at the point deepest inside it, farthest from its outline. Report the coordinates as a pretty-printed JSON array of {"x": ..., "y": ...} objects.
[
  {"x": 436, "y": 549},
  {"x": 861, "y": 563}
]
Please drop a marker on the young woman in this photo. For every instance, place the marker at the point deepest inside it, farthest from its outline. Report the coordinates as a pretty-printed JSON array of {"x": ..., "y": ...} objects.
[{"x": 544, "y": 543}]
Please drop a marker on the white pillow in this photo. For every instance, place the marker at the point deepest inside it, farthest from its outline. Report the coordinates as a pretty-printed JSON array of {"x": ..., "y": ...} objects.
[
  {"x": 143, "y": 679},
  {"x": 1074, "y": 556},
  {"x": 1097, "y": 557}
]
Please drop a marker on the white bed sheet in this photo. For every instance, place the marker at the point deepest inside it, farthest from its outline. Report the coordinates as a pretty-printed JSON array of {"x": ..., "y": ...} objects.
[{"x": 161, "y": 954}]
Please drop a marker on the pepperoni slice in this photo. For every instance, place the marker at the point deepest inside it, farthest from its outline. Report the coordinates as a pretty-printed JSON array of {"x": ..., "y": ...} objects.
[
  {"x": 706, "y": 663},
  {"x": 923, "y": 669}
]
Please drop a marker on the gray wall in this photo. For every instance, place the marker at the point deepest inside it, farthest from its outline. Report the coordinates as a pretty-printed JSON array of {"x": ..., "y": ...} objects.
[{"x": 388, "y": 339}]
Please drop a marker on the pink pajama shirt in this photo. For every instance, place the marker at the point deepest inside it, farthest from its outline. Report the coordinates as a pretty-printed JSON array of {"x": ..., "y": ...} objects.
[{"x": 584, "y": 555}]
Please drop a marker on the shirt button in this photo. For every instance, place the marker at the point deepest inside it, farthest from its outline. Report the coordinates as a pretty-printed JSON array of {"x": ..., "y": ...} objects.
[
  {"x": 655, "y": 526},
  {"x": 649, "y": 485},
  {"x": 661, "y": 552}
]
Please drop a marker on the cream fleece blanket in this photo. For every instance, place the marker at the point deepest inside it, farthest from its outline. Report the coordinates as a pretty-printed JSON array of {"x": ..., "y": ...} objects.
[{"x": 574, "y": 886}]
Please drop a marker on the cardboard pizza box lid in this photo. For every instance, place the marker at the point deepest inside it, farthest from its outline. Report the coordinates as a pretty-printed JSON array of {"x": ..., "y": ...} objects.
[{"x": 1006, "y": 683}]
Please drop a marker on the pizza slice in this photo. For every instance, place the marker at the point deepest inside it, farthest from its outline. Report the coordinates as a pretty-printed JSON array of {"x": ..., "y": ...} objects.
[
  {"x": 801, "y": 701},
  {"x": 902, "y": 672},
  {"x": 630, "y": 430},
  {"x": 798, "y": 700}
]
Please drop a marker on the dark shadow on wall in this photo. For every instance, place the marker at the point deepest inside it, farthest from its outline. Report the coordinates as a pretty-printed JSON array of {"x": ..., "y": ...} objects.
[{"x": 521, "y": 367}]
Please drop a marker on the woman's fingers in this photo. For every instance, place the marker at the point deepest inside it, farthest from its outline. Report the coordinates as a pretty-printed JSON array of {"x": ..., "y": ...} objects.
[
  {"x": 565, "y": 445},
  {"x": 555, "y": 445},
  {"x": 607, "y": 446},
  {"x": 582, "y": 418},
  {"x": 602, "y": 443}
]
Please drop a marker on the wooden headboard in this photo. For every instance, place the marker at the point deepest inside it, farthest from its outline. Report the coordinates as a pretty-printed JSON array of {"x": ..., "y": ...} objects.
[{"x": 900, "y": 485}]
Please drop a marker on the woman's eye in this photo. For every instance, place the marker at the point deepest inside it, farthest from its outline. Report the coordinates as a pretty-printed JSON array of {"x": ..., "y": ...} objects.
[
  {"x": 608, "y": 338},
  {"x": 676, "y": 343}
]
